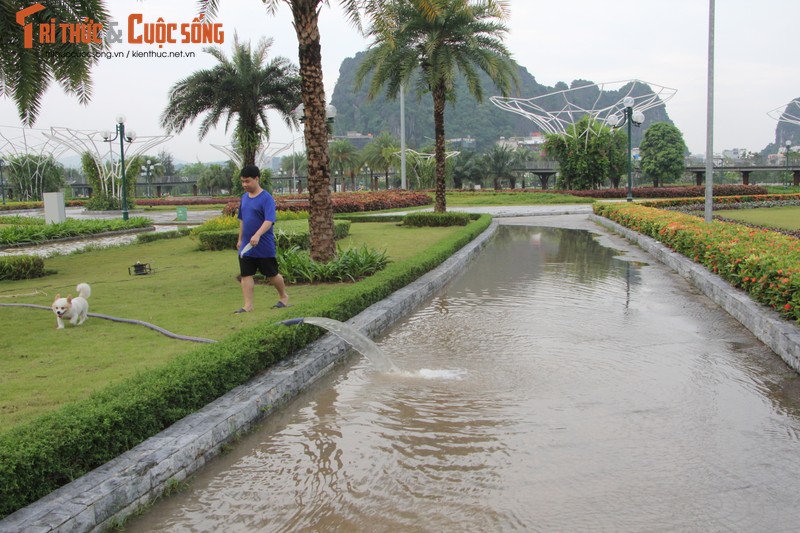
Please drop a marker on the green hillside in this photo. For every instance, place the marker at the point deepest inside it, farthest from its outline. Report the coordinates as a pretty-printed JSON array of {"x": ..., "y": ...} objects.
[{"x": 483, "y": 121}]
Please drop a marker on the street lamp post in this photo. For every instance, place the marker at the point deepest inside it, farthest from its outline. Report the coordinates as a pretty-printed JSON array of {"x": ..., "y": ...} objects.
[
  {"x": 632, "y": 117},
  {"x": 2, "y": 180},
  {"x": 120, "y": 134},
  {"x": 788, "y": 147},
  {"x": 330, "y": 116}
]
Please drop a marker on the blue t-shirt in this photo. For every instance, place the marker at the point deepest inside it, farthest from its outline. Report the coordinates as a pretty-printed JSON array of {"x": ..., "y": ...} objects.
[{"x": 253, "y": 212}]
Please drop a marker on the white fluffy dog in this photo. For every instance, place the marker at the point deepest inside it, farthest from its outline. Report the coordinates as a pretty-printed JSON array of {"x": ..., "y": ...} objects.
[{"x": 75, "y": 309}]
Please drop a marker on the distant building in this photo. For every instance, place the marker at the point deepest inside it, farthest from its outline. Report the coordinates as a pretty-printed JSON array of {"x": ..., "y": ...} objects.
[
  {"x": 461, "y": 143},
  {"x": 359, "y": 140},
  {"x": 534, "y": 141},
  {"x": 735, "y": 153}
]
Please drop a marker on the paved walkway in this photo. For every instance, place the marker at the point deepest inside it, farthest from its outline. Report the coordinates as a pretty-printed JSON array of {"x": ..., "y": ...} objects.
[{"x": 166, "y": 221}]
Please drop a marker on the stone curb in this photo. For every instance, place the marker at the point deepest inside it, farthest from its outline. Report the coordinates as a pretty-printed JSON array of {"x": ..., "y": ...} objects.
[
  {"x": 767, "y": 325},
  {"x": 108, "y": 494}
]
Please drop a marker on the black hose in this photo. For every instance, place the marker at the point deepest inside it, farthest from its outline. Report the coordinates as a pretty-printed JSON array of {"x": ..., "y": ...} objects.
[
  {"x": 291, "y": 322},
  {"x": 127, "y": 321}
]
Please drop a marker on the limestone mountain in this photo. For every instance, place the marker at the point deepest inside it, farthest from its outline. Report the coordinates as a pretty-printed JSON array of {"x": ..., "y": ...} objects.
[{"x": 465, "y": 117}]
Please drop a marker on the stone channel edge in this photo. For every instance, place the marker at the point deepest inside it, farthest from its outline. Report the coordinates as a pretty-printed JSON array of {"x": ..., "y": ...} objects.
[{"x": 782, "y": 336}]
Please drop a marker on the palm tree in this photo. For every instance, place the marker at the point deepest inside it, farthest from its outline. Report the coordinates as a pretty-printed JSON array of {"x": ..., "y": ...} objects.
[
  {"x": 381, "y": 155},
  {"x": 437, "y": 38},
  {"x": 467, "y": 166},
  {"x": 522, "y": 156},
  {"x": 305, "y": 15},
  {"x": 25, "y": 73},
  {"x": 344, "y": 158},
  {"x": 499, "y": 163},
  {"x": 245, "y": 86}
]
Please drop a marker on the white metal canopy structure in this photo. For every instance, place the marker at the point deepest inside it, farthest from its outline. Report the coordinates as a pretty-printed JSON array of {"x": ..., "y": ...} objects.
[
  {"x": 554, "y": 112},
  {"x": 789, "y": 113}
]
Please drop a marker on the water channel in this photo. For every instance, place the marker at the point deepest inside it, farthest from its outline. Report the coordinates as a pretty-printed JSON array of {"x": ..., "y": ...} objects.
[{"x": 573, "y": 384}]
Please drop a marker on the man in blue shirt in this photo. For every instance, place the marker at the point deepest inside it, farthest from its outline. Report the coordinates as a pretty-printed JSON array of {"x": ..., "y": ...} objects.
[{"x": 256, "y": 244}]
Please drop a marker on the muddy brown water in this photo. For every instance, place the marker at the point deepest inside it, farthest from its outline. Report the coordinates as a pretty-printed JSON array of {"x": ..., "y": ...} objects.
[{"x": 565, "y": 382}]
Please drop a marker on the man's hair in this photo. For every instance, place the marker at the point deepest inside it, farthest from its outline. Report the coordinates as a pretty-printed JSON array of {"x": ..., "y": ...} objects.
[{"x": 250, "y": 171}]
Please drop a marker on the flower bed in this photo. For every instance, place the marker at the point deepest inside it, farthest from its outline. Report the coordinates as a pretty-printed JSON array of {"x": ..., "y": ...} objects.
[
  {"x": 37, "y": 233},
  {"x": 761, "y": 262},
  {"x": 639, "y": 192},
  {"x": 742, "y": 201},
  {"x": 347, "y": 202}
]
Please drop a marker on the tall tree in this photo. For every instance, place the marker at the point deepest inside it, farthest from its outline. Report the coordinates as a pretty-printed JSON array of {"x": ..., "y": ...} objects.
[
  {"x": 305, "y": 14},
  {"x": 499, "y": 164},
  {"x": 345, "y": 159},
  {"x": 381, "y": 155},
  {"x": 30, "y": 176},
  {"x": 436, "y": 39},
  {"x": 588, "y": 154},
  {"x": 215, "y": 178},
  {"x": 244, "y": 87},
  {"x": 467, "y": 166},
  {"x": 662, "y": 151},
  {"x": 27, "y": 68}
]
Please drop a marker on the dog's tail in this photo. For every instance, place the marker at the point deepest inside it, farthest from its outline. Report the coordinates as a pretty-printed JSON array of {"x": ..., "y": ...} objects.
[{"x": 84, "y": 291}]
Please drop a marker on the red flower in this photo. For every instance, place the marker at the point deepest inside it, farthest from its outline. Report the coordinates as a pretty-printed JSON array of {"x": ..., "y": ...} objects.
[{"x": 787, "y": 306}]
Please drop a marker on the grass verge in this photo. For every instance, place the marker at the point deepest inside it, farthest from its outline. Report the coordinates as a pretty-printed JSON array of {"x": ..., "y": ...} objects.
[
  {"x": 152, "y": 381},
  {"x": 775, "y": 217}
]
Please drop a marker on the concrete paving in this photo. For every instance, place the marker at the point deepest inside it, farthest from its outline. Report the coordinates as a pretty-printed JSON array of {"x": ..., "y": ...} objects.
[{"x": 108, "y": 494}]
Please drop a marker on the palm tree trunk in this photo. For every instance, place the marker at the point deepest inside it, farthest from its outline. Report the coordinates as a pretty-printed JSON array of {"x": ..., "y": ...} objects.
[
  {"x": 438, "y": 121},
  {"x": 320, "y": 222}
]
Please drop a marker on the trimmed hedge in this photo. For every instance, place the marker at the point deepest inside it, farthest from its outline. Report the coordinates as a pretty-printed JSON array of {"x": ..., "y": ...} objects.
[
  {"x": 36, "y": 233},
  {"x": 669, "y": 192},
  {"x": 226, "y": 239},
  {"x": 451, "y": 218},
  {"x": 763, "y": 263},
  {"x": 21, "y": 267},
  {"x": 727, "y": 202},
  {"x": 54, "y": 449},
  {"x": 161, "y": 235}
]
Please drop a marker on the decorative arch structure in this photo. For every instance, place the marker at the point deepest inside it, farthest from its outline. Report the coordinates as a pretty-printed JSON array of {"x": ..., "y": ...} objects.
[{"x": 554, "y": 112}]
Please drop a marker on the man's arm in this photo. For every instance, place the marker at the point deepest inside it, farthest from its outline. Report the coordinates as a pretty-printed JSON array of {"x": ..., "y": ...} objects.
[{"x": 260, "y": 231}]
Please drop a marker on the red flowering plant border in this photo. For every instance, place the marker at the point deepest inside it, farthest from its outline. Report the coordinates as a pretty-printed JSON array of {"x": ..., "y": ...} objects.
[
  {"x": 761, "y": 262},
  {"x": 347, "y": 202}
]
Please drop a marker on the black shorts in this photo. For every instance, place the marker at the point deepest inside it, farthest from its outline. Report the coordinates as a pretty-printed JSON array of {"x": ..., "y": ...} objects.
[{"x": 248, "y": 266}]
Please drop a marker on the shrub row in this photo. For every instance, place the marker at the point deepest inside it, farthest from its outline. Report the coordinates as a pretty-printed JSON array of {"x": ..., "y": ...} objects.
[
  {"x": 21, "y": 267},
  {"x": 31, "y": 234},
  {"x": 14, "y": 206},
  {"x": 638, "y": 192},
  {"x": 226, "y": 239},
  {"x": 38, "y": 457},
  {"x": 161, "y": 235},
  {"x": 352, "y": 264},
  {"x": 438, "y": 219},
  {"x": 183, "y": 200},
  {"x": 763, "y": 263},
  {"x": 347, "y": 202},
  {"x": 670, "y": 192},
  {"x": 229, "y": 221},
  {"x": 727, "y": 202},
  {"x": 21, "y": 220}
]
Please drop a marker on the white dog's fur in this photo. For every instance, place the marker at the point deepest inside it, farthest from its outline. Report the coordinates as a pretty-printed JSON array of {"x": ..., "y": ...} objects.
[{"x": 75, "y": 309}]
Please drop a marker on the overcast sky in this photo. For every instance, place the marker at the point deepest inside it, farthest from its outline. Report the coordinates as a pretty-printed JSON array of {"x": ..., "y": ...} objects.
[{"x": 664, "y": 43}]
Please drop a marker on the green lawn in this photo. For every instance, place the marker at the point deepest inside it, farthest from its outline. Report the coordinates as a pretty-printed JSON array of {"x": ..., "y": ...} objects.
[
  {"x": 189, "y": 293},
  {"x": 774, "y": 217},
  {"x": 465, "y": 199}
]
